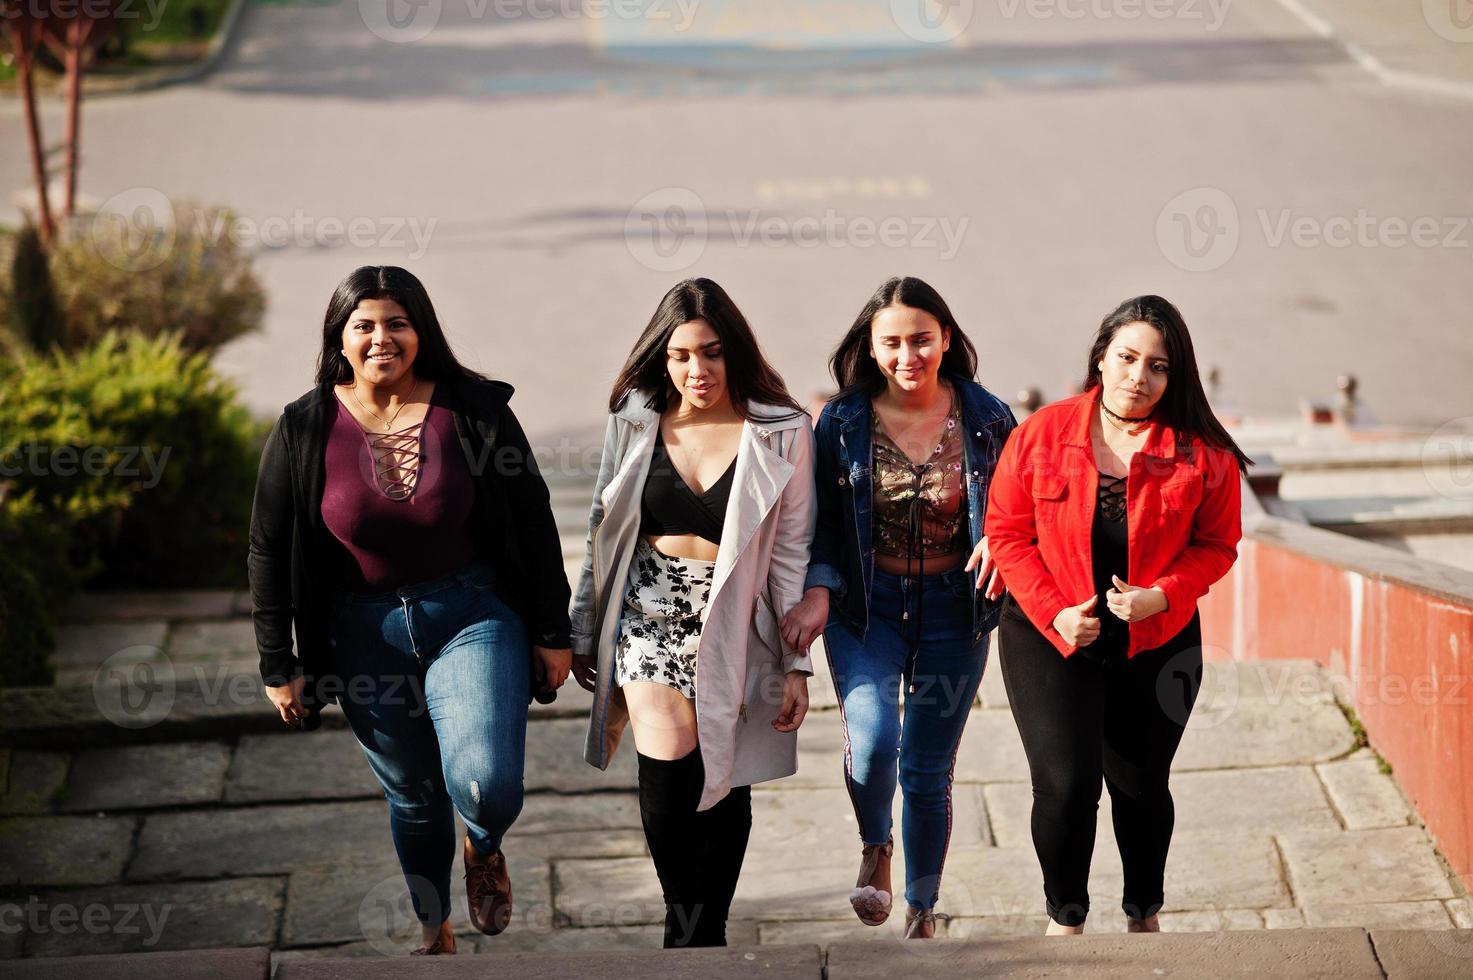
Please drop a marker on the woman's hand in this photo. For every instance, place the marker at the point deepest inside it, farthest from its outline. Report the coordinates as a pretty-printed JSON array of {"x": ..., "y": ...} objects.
[
  {"x": 288, "y": 700},
  {"x": 982, "y": 560},
  {"x": 1134, "y": 604},
  {"x": 795, "y": 701},
  {"x": 553, "y": 666},
  {"x": 801, "y": 626},
  {"x": 585, "y": 672},
  {"x": 1077, "y": 625}
]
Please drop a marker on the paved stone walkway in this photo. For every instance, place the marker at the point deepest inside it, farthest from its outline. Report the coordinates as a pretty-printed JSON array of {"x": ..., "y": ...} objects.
[{"x": 281, "y": 839}]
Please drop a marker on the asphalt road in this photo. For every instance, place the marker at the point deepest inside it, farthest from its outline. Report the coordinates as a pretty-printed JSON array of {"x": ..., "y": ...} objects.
[{"x": 549, "y": 173}]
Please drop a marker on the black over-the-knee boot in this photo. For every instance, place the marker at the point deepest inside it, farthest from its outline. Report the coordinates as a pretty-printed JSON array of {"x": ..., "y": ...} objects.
[
  {"x": 724, "y": 830},
  {"x": 669, "y": 792}
]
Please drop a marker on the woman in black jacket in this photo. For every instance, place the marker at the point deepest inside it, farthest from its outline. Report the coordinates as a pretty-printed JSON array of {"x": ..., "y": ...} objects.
[{"x": 401, "y": 526}]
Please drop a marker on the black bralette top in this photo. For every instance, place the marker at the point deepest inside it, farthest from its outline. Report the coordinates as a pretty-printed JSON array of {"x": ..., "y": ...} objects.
[{"x": 669, "y": 506}]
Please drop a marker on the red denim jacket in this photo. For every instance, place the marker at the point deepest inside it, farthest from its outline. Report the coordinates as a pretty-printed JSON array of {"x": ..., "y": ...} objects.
[{"x": 1183, "y": 519}]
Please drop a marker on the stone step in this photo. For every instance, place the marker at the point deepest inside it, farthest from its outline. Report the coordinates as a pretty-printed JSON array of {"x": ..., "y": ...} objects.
[{"x": 1306, "y": 954}]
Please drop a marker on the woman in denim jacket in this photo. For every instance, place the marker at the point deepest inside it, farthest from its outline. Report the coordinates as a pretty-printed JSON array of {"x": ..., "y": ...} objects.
[{"x": 896, "y": 580}]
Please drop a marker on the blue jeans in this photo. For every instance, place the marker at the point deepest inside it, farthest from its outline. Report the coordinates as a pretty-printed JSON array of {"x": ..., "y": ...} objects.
[
  {"x": 435, "y": 679},
  {"x": 868, "y": 679}
]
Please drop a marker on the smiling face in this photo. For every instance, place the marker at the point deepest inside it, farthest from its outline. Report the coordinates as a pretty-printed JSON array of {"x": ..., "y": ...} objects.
[
  {"x": 379, "y": 342},
  {"x": 697, "y": 367},
  {"x": 1134, "y": 370},
  {"x": 908, "y": 345}
]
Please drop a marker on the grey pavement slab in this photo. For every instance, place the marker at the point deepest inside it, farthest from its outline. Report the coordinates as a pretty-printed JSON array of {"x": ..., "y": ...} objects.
[
  {"x": 1229, "y": 729},
  {"x": 134, "y": 777},
  {"x": 648, "y": 939},
  {"x": 1428, "y": 914},
  {"x": 1364, "y": 796},
  {"x": 64, "y": 850},
  {"x": 185, "y": 915},
  {"x": 991, "y": 750},
  {"x": 993, "y": 693},
  {"x": 295, "y": 766},
  {"x": 620, "y": 892},
  {"x": 83, "y": 650},
  {"x": 547, "y": 813},
  {"x": 12, "y": 939},
  {"x": 1393, "y": 865},
  {"x": 178, "y": 604},
  {"x": 250, "y": 963},
  {"x": 221, "y": 641},
  {"x": 372, "y": 903},
  {"x": 1267, "y": 800},
  {"x": 576, "y": 843},
  {"x": 262, "y": 840},
  {"x": 1320, "y": 954},
  {"x": 821, "y": 821},
  {"x": 733, "y": 963},
  {"x": 555, "y": 760},
  {"x": 31, "y": 780},
  {"x": 820, "y": 754},
  {"x": 1424, "y": 955}
]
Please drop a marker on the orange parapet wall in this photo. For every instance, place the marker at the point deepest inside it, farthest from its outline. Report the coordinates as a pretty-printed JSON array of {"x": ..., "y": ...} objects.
[{"x": 1397, "y": 629}]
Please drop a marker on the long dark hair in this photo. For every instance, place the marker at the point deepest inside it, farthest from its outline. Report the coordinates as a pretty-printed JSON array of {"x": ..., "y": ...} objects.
[
  {"x": 1184, "y": 404},
  {"x": 852, "y": 367},
  {"x": 749, "y": 378},
  {"x": 434, "y": 360}
]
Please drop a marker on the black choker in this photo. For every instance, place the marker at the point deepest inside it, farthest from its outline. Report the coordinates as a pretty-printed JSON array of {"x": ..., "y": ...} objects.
[{"x": 1122, "y": 418}]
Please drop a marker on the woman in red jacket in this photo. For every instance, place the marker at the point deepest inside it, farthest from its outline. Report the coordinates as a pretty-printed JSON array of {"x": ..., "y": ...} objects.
[{"x": 1110, "y": 514}]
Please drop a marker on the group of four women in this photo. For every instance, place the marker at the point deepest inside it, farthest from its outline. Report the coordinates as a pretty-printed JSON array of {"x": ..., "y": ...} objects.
[{"x": 402, "y": 528}]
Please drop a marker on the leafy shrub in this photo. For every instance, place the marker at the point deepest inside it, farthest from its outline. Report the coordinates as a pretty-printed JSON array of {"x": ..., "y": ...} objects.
[
  {"x": 179, "y": 274},
  {"x": 141, "y": 453}
]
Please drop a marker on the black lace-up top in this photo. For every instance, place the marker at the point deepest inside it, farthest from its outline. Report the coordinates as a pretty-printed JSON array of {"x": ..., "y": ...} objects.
[{"x": 1111, "y": 556}]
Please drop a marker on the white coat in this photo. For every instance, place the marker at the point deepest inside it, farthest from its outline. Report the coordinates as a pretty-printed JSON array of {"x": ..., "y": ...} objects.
[{"x": 760, "y": 567}]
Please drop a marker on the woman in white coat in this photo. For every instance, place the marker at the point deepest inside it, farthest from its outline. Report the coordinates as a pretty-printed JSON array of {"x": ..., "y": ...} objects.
[{"x": 697, "y": 546}]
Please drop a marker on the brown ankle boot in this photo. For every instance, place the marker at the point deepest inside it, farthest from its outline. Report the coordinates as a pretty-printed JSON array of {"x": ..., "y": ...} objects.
[{"x": 487, "y": 889}]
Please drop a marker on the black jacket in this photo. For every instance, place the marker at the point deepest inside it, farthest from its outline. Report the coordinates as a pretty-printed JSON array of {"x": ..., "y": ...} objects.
[{"x": 290, "y": 562}]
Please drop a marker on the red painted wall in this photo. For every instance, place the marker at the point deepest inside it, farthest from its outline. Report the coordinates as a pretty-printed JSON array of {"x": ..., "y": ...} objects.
[{"x": 1407, "y": 656}]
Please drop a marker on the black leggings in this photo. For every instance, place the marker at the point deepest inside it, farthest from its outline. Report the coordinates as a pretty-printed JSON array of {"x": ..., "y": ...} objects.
[
  {"x": 698, "y": 855},
  {"x": 1083, "y": 721}
]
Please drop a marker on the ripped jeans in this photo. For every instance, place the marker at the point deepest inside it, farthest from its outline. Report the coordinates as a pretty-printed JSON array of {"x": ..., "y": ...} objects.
[
  {"x": 435, "y": 678},
  {"x": 931, "y": 616}
]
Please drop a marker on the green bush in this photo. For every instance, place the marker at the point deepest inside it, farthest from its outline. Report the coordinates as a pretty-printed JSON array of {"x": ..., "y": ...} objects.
[
  {"x": 141, "y": 453},
  {"x": 34, "y": 576},
  {"x": 155, "y": 275}
]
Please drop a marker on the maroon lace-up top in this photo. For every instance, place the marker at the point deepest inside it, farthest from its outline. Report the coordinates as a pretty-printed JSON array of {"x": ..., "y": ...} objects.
[{"x": 404, "y": 523}]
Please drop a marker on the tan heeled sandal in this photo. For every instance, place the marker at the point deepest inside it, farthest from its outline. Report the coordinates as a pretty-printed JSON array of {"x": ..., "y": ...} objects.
[
  {"x": 871, "y": 904},
  {"x": 921, "y": 924}
]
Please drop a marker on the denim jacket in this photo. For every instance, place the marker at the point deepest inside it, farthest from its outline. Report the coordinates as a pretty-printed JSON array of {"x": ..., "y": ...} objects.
[{"x": 843, "y": 554}]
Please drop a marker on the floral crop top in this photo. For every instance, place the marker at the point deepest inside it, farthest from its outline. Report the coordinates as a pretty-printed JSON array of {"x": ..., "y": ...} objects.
[{"x": 919, "y": 510}]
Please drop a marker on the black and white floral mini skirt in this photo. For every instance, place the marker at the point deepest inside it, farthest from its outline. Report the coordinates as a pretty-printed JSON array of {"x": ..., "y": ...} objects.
[{"x": 660, "y": 626}]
